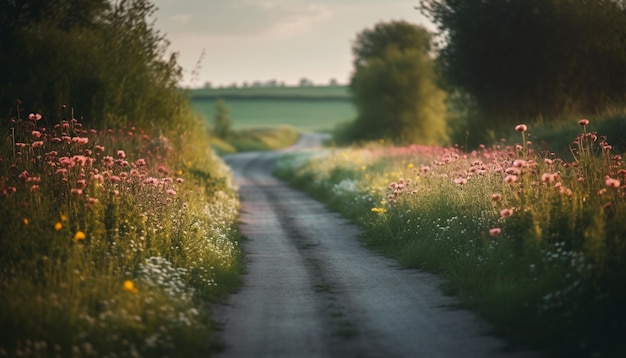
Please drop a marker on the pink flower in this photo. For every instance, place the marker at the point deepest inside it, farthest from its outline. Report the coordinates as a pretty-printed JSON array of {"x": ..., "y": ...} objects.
[
  {"x": 505, "y": 213},
  {"x": 518, "y": 163},
  {"x": 77, "y": 191},
  {"x": 34, "y": 188},
  {"x": 521, "y": 128},
  {"x": 583, "y": 122},
  {"x": 496, "y": 197},
  {"x": 612, "y": 183},
  {"x": 80, "y": 140},
  {"x": 140, "y": 162},
  {"x": 121, "y": 154},
  {"x": 510, "y": 179},
  {"x": 115, "y": 179},
  {"x": 180, "y": 180},
  {"x": 36, "y": 134},
  {"x": 34, "y": 116},
  {"x": 494, "y": 231},
  {"x": 425, "y": 169},
  {"x": 460, "y": 181},
  {"x": 513, "y": 171},
  {"x": 37, "y": 144},
  {"x": 547, "y": 178},
  {"x": 99, "y": 148},
  {"x": 171, "y": 192}
]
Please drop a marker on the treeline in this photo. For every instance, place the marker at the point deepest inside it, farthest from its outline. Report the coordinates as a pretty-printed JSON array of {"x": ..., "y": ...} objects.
[
  {"x": 104, "y": 61},
  {"x": 498, "y": 62}
]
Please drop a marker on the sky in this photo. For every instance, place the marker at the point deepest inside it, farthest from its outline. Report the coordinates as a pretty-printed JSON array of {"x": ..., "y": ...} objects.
[{"x": 235, "y": 41}]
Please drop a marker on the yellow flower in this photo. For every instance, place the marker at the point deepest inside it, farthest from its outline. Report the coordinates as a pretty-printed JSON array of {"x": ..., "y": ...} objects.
[
  {"x": 379, "y": 210},
  {"x": 58, "y": 226},
  {"x": 130, "y": 286},
  {"x": 79, "y": 236},
  {"x": 63, "y": 217},
  {"x": 25, "y": 221},
  {"x": 179, "y": 172}
]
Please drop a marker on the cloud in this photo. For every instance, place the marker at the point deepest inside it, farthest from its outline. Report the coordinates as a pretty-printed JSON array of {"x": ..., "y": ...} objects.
[
  {"x": 181, "y": 19},
  {"x": 243, "y": 17}
]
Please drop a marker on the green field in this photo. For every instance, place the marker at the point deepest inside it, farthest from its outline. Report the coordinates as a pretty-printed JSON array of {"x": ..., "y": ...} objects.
[{"x": 305, "y": 108}]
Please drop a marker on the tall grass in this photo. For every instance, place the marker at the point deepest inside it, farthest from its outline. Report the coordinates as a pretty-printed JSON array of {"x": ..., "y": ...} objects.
[
  {"x": 531, "y": 241},
  {"x": 113, "y": 240}
]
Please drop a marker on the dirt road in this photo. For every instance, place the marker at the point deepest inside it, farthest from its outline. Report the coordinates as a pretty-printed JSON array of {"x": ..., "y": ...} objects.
[{"x": 312, "y": 290}]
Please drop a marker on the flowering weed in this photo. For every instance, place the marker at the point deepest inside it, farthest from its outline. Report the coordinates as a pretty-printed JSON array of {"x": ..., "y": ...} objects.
[
  {"x": 532, "y": 241},
  {"x": 111, "y": 240}
]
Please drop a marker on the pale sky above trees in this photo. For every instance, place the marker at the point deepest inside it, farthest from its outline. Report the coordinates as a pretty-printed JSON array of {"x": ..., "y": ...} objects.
[{"x": 261, "y": 40}]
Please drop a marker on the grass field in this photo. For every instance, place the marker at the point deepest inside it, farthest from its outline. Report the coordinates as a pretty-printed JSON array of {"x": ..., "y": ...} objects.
[{"x": 304, "y": 108}]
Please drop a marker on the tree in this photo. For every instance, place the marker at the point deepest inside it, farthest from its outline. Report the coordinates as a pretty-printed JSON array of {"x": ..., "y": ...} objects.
[
  {"x": 103, "y": 59},
  {"x": 222, "y": 122},
  {"x": 394, "y": 86},
  {"x": 534, "y": 58}
]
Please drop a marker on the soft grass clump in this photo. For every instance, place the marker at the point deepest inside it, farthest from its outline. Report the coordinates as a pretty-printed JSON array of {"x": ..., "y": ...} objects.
[
  {"x": 533, "y": 242},
  {"x": 111, "y": 241}
]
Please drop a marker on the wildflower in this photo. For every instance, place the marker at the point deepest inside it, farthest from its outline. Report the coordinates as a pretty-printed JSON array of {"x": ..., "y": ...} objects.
[
  {"x": 547, "y": 178},
  {"x": 58, "y": 226},
  {"x": 510, "y": 179},
  {"x": 140, "y": 162},
  {"x": 518, "y": 163},
  {"x": 130, "y": 286},
  {"x": 171, "y": 192},
  {"x": 521, "y": 128},
  {"x": 425, "y": 168},
  {"x": 34, "y": 116},
  {"x": 34, "y": 188},
  {"x": 505, "y": 213},
  {"x": 583, "y": 122},
  {"x": 612, "y": 183},
  {"x": 25, "y": 221},
  {"x": 460, "y": 181},
  {"x": 63, "y": 217},
  {"x": 121, "y": 154},
  {"x": 36, "y": 134},
  {"x": 494, "y": 231},
  {"x": 80, "y": 140},
  {"x": 79, "y": 236},
  {"x": 115, "y": 179},
  {"x": 379, "y": 210},
  {"x": 496, "y": 197},
  {"x": 76, "y": 191},
  {"x": 180, "y": 180}
]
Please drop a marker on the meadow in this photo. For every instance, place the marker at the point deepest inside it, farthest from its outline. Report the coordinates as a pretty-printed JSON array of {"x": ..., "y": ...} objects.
[
  {"x": 304, "y": 108},
  {"x": 531, "y": 239},
  {"x": 113, "y": 241}
]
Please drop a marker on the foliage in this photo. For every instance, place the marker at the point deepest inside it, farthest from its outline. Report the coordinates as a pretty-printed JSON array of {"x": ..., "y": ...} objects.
[
  {"x": 530, "y": 240},
  {"x": 394, "y": 86},
  {"x": 91, "y": 59},
  {"x": 529, "y": 59},
  {"x": 222, "y": 122},
  {"x": 112, "y": 241}
]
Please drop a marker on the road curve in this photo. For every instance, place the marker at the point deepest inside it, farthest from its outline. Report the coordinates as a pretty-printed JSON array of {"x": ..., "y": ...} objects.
[{"x": 312, "y": 290}]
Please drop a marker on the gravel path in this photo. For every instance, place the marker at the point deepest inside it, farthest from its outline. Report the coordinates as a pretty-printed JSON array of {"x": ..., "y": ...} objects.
[{"x": 312, "y": 290}]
